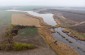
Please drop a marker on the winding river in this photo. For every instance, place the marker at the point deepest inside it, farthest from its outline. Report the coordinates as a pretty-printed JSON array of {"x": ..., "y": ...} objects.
[{"x": 59, "y": 35}]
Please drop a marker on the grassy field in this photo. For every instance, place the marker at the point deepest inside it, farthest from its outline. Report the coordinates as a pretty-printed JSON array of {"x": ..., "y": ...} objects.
[
  {"x": 5, "y": 17},
  {"x": 5, "y": 21},
  {"x": 25, "y": 20},
  {"x": 28, "y": 31}
]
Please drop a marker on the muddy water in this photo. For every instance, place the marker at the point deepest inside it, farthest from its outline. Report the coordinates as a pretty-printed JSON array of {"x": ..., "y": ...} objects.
[{"x": 59, "y": 35}]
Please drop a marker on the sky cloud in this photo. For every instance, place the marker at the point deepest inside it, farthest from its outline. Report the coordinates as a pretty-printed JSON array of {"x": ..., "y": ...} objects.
[{"x": 80, "y": 3}]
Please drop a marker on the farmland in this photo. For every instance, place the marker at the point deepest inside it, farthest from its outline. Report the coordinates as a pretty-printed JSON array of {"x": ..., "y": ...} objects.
[{"x": 24, "y": 39}]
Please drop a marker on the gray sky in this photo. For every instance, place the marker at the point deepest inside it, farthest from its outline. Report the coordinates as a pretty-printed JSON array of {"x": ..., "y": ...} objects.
[{"x": 78, "y": 3}]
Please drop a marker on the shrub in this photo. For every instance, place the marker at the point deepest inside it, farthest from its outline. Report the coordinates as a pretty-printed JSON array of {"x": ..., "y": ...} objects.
[{"x": 16, "y": 46}]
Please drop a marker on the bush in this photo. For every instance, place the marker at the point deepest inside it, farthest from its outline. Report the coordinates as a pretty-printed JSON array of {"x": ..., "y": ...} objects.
[{"x": 23, "y": 46}]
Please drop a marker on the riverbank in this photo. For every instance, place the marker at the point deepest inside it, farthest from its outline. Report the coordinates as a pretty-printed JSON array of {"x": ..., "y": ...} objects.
[
  {"x": 74, "y": 34},
  {"x": 67, "y": 24},
  {"x": 59, "y": 47}
]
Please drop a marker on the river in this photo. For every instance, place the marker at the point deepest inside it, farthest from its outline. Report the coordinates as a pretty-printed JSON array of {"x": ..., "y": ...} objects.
[
  {"x": 78, "y": 45},
  {"x": 59, "y": 35}
]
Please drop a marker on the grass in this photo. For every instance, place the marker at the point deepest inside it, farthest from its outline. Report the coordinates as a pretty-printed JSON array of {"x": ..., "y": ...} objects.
[
  {"x": 10, "y": 44},
  {"x": 5, "y": 19},
  {"x": 79, "y": 35},
  {"x": 28, "y": 31},
  {"x": 22, "y": 46},
  {"x": 5, "y": 16},
  {"x": 16, "y": 46},
  {"x": 69, "y": 24}
]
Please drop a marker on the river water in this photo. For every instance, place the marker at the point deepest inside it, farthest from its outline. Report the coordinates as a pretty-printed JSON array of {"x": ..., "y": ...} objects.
[
  {"x": 78, "y": 45},
  {"x": 48, "y": 18}
]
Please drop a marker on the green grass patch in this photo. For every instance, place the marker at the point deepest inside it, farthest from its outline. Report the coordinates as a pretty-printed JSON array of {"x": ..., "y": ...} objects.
[
  {"x": 5, "y": 17},
  {"x": 23, "y": 46},
  {"x": 29, "y": 31},
  {"x": 16, "y": 46}
]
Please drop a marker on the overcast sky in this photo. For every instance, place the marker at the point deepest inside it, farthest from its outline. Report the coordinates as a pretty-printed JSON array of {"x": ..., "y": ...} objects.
[{"x": 78, "y": 3}]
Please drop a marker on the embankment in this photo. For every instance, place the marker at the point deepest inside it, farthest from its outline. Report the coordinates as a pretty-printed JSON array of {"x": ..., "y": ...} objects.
[{"x": 69, "y": 25}]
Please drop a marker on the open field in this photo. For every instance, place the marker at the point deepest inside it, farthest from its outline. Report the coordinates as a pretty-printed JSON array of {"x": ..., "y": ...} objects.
[
  {"x": 5, "y": 17},
  {"x": 5, "y": 21},
  {"x": 25, "y": 20}
]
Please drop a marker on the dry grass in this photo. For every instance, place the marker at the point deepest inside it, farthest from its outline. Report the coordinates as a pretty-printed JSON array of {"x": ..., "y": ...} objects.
[
  {"x": 75, "y": 34},
  {"x": 75, "y": 31},
  {"x": 25, "y": 20}
]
